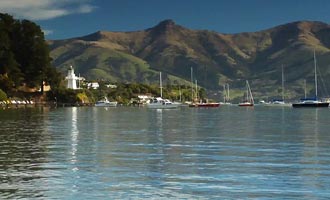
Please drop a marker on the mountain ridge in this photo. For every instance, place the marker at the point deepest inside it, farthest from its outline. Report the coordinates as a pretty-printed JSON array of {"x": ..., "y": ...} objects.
[{"x": 216, "y": 58}]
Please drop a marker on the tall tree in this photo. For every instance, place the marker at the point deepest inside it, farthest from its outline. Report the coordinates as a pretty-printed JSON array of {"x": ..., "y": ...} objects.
[
  {"x": 24, "y": 55},
  {"x": 10, "y": 73},
  {"x": 32, "y": 53}
]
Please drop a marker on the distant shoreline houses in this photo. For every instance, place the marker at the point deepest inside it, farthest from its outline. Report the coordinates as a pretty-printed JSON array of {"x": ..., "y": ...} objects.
[
  {"x": 141, "y": 99},
  {"x": 74, "y": 82}
]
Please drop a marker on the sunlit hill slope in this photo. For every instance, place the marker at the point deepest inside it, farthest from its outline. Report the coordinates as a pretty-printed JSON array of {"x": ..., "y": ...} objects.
[{"x": 215, "y": 58}]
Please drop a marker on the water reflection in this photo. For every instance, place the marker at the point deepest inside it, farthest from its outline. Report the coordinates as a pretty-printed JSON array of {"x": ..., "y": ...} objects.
[
  {"x": 23, "y": 151},
  {"x": 159, "y": 117},
  {"x": 74, "y": 146},
  {"x": 136, "y": 153},
  {"x": 74, "y": 137}
]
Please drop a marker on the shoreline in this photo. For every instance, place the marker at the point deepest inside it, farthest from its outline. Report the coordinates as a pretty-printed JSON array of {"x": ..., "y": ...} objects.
[{"x": 44, "y": 104}]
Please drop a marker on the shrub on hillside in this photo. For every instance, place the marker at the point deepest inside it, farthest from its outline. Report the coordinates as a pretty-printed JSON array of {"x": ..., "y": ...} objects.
[{"x": 3, "y": 95}]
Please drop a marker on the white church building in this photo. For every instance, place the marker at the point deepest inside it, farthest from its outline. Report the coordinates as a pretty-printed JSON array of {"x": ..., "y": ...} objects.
[{"x": 72, "y": 79}]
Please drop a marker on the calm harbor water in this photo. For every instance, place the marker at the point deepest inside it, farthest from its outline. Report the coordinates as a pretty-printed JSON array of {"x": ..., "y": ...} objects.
[{"x": 186, "y": 153}]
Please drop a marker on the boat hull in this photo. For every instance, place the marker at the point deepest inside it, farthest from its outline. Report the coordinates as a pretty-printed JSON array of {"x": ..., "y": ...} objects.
[
  {"x": 160, "y": 103},
  {"x": 160, "y": 106},
  {"x": 250, "y": 105},
  {"x": 107, "y": 104},
  {"x": 277, "y": 104},
  {"x": 204, "y": 105},
  {"x": 245, "y": 104},
  {"x": 310, "y": 105}
]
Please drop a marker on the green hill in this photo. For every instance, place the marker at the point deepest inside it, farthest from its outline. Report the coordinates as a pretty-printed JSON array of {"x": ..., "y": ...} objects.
[{"x": 216, "y": 58}]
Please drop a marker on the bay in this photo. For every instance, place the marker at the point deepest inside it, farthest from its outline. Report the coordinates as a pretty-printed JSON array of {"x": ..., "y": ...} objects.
[{"x": 186, "y": 153}]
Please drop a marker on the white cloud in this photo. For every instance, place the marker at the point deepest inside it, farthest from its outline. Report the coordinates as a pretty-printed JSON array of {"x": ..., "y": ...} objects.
[
  {"x": 85, "y": 8},
  {"x": 45, "y": 9}
]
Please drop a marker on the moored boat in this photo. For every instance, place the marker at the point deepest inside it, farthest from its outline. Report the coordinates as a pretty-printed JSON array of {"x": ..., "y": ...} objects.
[
  {"x": 277, "y": 102},
  {"x": 226, "y": 97},
  {"x": 280, "y": 101},
  {"x": 198, "y": 102},
  {"x": 246, "y": 103},
  {"x": 249, "y": 98},
  {"x": 106, "y": 103},
  {"x": 159, "y": 102},
  {"x": 204, "y": 105},
  {"x": 311, "y": 102}
]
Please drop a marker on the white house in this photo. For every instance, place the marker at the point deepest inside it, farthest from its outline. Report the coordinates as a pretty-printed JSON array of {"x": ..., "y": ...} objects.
[
  {"x": 93, "y": 85},
  {"x": 111, "y": 86},
  {"x": 144, "y": 98}
]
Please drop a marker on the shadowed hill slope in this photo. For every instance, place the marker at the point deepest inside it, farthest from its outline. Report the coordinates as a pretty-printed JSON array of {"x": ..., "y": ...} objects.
[{"x": 216, "y": 58}]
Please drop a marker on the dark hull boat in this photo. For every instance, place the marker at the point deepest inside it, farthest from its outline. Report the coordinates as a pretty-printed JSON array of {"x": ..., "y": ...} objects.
[
  {"x": 310, "y": 103},
  {"x": 204, "y": 105}
]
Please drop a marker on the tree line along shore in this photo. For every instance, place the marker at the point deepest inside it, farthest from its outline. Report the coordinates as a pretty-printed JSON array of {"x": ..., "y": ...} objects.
[{"x": 26, "y": 70}]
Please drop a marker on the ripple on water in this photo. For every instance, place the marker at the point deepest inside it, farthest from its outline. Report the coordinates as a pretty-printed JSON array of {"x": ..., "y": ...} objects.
[{"x": 136, "y": 153}]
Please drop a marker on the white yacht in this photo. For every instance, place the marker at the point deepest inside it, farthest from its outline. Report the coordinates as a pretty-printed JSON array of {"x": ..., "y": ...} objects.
[
  {"x": 106, "y": 103},
  {"x": 159, "y": 102}
]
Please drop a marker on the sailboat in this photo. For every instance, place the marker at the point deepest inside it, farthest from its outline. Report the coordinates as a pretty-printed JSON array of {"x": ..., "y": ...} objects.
[
  {"x": 159, "y": 102},
  {"x": 280, "y": 101},
  {"x": 249, "y": 98},
  {"x": 311, "y": 102},
  {"x": 226, "y": 97},
  {"x": 195, "y": 102}
]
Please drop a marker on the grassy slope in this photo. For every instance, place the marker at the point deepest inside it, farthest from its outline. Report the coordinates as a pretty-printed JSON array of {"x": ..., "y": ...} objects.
[{"x": 215, "y": 58}]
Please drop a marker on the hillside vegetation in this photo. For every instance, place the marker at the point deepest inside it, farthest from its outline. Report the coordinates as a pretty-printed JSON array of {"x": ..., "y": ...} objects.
[{"x": 215, "y": 58}]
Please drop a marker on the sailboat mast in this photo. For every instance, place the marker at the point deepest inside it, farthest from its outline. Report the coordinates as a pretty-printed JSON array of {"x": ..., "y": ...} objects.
[
  {"x": 247, "y": 91},
  {"x": 228, "y": 97},
  {"x": 161, "y": 84},
  {"x": 180, "y": 94},
  {"x": 251, "y": 100},
  {"x": 282, "y": 83},
  {"x": 196, "y": 89},
  {"x": 192, "y": 84},
  {"x": 305, "y": 88},
  {"x": 224, "y": 94},
  {"x": 315, "y": 75}
]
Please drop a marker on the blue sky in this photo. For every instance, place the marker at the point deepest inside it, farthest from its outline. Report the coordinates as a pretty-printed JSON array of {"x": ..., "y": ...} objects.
[{"x": 61, "y": 19}]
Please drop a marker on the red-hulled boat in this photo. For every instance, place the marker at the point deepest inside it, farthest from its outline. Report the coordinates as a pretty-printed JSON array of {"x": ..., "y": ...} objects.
[
  {"x": 204, "y": 105},
  {"x": 249, "y": 98}
]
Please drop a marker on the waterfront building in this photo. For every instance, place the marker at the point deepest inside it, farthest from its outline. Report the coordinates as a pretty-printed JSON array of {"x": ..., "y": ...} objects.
[{"x": 72, "y": 79}]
